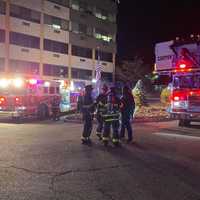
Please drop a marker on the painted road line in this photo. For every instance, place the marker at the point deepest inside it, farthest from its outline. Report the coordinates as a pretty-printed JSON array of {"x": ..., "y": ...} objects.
[{"x": 174, "y": 135}]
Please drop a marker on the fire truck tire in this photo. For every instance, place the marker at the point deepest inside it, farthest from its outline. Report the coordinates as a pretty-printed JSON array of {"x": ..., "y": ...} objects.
[
  {"x": 43, "y": 112},
  {"x": 184, "y": 122}
]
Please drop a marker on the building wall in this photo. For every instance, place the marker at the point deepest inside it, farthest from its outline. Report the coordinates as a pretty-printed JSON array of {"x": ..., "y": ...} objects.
[{"x": 47, "y": 33}]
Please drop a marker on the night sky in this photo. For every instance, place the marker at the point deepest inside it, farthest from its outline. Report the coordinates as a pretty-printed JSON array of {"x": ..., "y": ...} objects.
[{"x": 142, "y": 23}]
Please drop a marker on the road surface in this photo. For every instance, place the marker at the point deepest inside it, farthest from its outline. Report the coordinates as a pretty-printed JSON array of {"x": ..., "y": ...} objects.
[{"x": 45, "y": 160}]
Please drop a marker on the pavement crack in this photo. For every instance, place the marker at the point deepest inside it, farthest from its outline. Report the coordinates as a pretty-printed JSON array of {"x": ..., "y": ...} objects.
[
  {"x": 53, "y": 179},
  {"x": 29, "y": 170}
]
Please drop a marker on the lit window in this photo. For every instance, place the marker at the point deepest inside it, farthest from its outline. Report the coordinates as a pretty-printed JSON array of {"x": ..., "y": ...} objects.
[{"x": 75, "y": 5}]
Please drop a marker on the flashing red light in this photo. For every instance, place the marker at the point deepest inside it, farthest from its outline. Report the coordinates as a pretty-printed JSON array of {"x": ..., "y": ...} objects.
[
  {"x": 182, "y": 66},
  {"x": 17, "y": 100},
  {"x": 179, "y": 96},
  {"x": 176, "y": 98},
  {"x": 32, "y": 81},
  {"x": 2, "y": 100}
]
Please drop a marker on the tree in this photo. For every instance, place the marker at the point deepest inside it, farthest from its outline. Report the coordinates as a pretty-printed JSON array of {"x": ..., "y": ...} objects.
[{"x": 131, "y": 71}]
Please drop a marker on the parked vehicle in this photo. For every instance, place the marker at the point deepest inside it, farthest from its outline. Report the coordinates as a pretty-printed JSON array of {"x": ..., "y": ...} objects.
[{"x": 180, "y": 61}]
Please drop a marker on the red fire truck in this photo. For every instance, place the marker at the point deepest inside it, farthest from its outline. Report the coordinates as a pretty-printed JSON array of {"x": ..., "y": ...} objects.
[
  {"x": 23, "y": 97},
  {"x": 180, "y": 61}
]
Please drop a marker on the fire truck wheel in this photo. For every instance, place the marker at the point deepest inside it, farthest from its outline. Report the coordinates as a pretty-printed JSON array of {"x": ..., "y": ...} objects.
[
  {"x": 184, "y": 122},
  {"x": 43, "y": 112}
]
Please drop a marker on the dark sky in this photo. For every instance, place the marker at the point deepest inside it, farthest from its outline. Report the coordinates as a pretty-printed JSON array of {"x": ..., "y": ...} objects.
[{"x": 142, "y": 23}]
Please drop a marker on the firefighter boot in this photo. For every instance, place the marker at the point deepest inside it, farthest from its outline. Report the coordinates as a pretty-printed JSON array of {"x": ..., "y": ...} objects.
[
  {"x": 84, "y": 140},
  {"x": 99, "y": 135},
  {"x": 105, "y": 141},
  {"x": 116, "y": 142}
]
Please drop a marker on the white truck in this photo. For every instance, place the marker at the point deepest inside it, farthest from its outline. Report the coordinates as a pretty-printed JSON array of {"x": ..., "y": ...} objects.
[{"x": 180, "y": 61}]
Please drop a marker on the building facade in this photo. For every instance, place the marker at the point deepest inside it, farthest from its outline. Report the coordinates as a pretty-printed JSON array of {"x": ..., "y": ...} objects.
[{"x": 58, "y": 39}]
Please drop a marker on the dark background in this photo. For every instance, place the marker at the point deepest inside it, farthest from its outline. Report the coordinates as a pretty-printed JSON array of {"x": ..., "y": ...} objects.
[{"x": 142, "y": 23}]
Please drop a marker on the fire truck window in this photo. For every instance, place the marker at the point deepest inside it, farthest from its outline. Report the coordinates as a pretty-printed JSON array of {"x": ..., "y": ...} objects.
[
  {"x": 196, "y": 81},
  {"x": 57, "y": 90},
  {"x": 45, "y": 90},
  {"x": 176, "y": 82},
  {"x": 186, "y": 82},
  {"x": 52, "y": 90}
]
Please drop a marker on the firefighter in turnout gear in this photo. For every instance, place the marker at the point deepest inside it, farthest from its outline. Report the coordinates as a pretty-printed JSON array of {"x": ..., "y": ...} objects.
[
  {"x": 87, "y": 108},
  {"x": 111, "y": 118},
  {"x": 101, "y": 102}
]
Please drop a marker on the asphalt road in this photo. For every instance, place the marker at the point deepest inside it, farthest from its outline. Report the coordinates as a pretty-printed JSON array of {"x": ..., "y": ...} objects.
[{"x": 45, "y": 160}]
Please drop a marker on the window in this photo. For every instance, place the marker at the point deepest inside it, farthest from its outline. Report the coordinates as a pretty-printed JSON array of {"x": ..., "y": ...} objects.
[
  {"x": 107, "y": 76},
  {"x": 105, "y": 56},
  {"x": 52, "y": 90},
  {"x": 24, "y": 40},
  {"x": 81, "y": 74},
  {"x": 55, "y": 70},
  {"x": 82, "y": 6},
  {"x": 2, "y": 64},
  {"x": 2, "y": 8},
  {"x": 112, "y": 18},
  {"x": 190, "y": 81},
  {"x": 55, "y": 46},
  {"x": 82, "y": 28},
  {"x": 56, "y": 23},
  {"x": 2, "y": 36},
  {"x": 75, "y": 5},
  {"x": 25, "y": 67},
  {"x": 24, "y": 13},
  {"x": 101, "y": 14},
  {"x": 60, "y": 2},
  {"x": 45, "y": 90},
  {"x": 103, "y": 35},
  {"x": 81, "y": 51}
]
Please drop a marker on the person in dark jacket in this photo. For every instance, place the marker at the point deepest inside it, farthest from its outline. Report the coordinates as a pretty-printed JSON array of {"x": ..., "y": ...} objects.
[
  {"x": 55, "y": 108},
  {"x": 87, "y": 109},
  {"x": 127, "y": 110},
  {"x": 100, "y": 104}
]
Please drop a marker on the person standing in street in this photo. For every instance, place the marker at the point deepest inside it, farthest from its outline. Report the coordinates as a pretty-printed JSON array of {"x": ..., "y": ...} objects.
[
  {"x": 87, "y": 108},
  {"x": 55, "y": 108},
  {"x": 100, "y": 103},
  {"x": 112, "y": 117},
  {"x": 127, "y": 110}
]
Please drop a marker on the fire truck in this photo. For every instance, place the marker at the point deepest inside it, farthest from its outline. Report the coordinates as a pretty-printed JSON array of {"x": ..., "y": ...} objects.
[
  {"x": 24, "y": 97},
  {"x": 180, "y": 62}
]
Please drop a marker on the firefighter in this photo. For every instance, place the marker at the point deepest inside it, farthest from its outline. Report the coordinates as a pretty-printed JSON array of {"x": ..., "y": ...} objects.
[
  {"x": 55, "y": 107},
  {"x": 101, "y": 102},
  {"x": 87, "y": 108},
  {"x": 111, "y": 118},
  {"x": 127, "y": 110}
]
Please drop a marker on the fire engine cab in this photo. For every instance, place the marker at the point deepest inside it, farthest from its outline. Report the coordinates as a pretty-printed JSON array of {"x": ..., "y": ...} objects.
[
  {"x": 23, "y": 97},
  {"x": 180, "y": 61}
]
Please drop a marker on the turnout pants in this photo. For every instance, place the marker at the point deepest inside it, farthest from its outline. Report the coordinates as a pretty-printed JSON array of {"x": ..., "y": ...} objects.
[
  {"x": 115, "y": 128},
  {"x": 100, "y": 123},
  {"x": 126, "y": 124},
  {"x": 87, "y": 129}
]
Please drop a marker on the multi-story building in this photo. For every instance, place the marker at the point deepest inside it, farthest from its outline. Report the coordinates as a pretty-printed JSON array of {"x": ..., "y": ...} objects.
[{"x": 58, "y": 39}]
